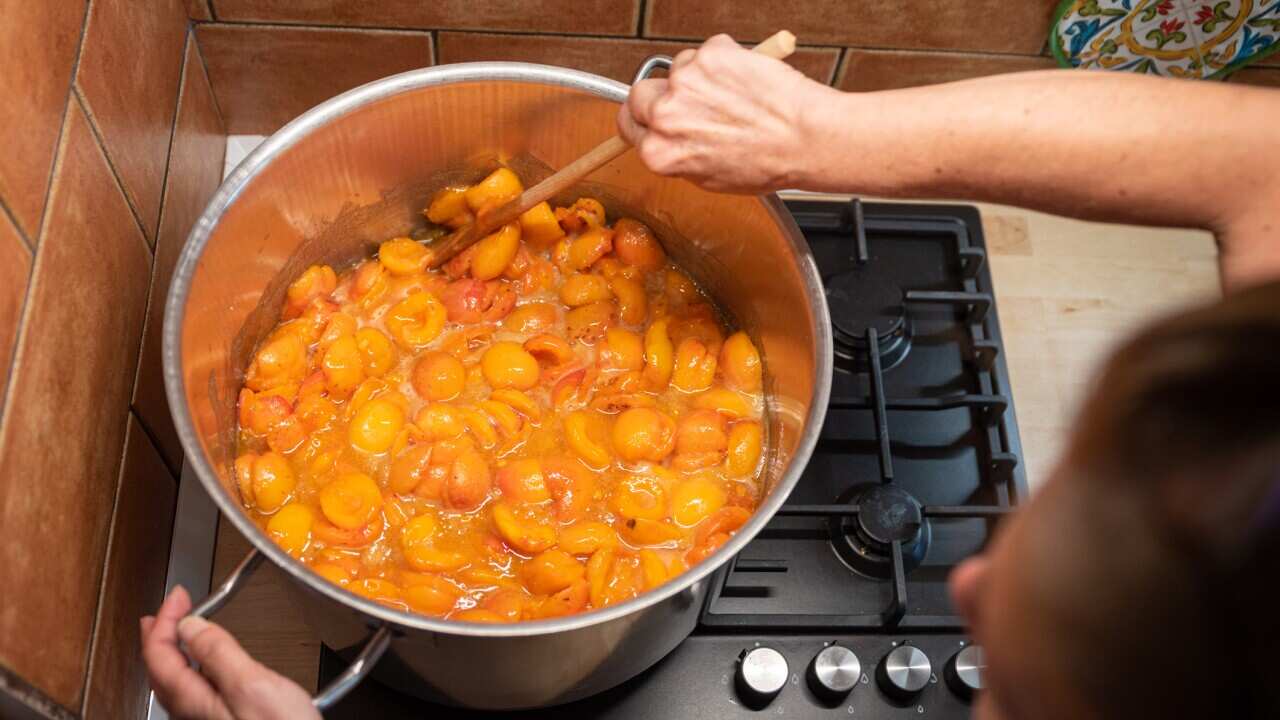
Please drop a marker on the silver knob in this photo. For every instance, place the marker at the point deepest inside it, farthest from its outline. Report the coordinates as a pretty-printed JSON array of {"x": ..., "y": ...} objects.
[
  {"x": 904, "y": 672},
  {"x": 964, "y": 671},
  {"x": 834, "y": 672},
  {"x": 762, "y": 673}
]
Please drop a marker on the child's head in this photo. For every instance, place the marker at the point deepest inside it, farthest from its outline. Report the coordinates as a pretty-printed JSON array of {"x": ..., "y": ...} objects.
[{"x": 1141, "y": 581}]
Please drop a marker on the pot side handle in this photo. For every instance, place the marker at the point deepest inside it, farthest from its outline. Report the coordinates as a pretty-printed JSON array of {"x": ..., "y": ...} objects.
[{"x": 359, "y": 668}]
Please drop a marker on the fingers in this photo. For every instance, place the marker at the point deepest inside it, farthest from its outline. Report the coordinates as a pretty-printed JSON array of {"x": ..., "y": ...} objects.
[
  {"x": 722, "y": 41},
  {"x": 231, "y": 679},
  {"x": 221, "y": 658},
  {"x": 628, "y": 128},
  {"x": 247, "y": 687},
  {"x": 684, "y": 57},
  {"x": 181, "y": 689},
  {"x": 644, "y": 95}
]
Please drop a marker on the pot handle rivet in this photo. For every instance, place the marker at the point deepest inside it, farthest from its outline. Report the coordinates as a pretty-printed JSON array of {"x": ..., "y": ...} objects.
[{"x": 359, "y": 668}]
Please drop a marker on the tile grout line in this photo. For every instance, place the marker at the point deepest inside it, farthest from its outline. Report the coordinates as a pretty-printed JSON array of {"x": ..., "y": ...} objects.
[
  {"x": 97, "y": 137},
  {"x": 964, "y": 52},
  {"x": 20, "y": 337},
  {"x": 22, "y": 234},
  {"x": 212, "y": 12},
  {"x": 838, "y": 70},
  {"x": 59, "y": 152},
  {"x": 106, "y": 560},
  {"x": 173, "y": 133},
  {"x": 164, "y": 198},
  {"x": 204, "y": 67},
  {"x": 412, "y": 30},
  {"x": 66, "y": 109},
  {"x": 316, "y": 27},
  {"x": 640, "y": 14},
  {"x": 155, "y": 442},
  {"x": 149, "y": 247}
]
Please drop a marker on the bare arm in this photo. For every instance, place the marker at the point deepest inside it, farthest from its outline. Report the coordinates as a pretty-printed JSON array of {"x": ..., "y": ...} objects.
[{"x": 1098, "y": 146}]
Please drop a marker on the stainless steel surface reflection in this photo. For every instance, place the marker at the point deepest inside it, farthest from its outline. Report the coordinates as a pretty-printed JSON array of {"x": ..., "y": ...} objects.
[{"x": 357, "y": 169}]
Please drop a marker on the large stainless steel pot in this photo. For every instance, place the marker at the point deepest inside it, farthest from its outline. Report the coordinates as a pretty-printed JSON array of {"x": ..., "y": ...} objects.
[{"x": 357, "y": 169}]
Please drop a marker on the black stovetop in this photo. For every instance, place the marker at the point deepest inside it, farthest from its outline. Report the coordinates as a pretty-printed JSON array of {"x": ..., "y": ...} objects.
[{"x": 918, "y": 458}]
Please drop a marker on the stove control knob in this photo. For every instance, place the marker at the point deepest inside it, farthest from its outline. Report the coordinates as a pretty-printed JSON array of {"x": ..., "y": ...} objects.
[
  {"x": 904, "y": 672},
  {"x": 762, "y": 673},
  {"x": 834, "y": 672},
  {"x": 964, "y": 671}
]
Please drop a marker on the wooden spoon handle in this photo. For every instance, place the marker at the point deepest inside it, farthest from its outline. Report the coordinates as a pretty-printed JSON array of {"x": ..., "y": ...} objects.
[
  {"x": 779, "y": 46},
  {"x": 558, "y": 181}
]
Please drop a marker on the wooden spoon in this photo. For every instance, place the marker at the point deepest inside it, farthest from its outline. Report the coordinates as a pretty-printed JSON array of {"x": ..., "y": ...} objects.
[{"x": 780, "y": 45}]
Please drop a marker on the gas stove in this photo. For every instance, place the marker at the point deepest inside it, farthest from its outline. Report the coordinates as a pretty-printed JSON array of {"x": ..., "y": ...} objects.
[{"x": 839, "y": 607}]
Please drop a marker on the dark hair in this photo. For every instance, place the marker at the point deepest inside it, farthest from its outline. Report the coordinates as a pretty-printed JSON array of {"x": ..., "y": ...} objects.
[{"x": 1181, "y": 443}]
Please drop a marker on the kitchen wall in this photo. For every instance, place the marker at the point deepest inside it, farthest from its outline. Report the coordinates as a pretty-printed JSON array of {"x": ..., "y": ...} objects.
[
  {"x": 114, "y": 126},
  {"x": 113, "y": 143},
  {"x": 298, "y": 52}
]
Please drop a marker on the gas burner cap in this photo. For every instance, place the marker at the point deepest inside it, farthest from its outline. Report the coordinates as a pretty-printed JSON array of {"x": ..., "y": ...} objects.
[
  {"x": 859, "y": 300},
  {"x": 885, "y": 513}
]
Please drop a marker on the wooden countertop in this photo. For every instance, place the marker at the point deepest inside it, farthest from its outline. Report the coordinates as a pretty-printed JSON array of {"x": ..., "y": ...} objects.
[{"x": 1067, "y": 292}]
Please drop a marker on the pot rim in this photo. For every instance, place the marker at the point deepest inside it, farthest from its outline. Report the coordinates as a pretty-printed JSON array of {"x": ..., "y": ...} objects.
[{"x": 336, "y": 107}]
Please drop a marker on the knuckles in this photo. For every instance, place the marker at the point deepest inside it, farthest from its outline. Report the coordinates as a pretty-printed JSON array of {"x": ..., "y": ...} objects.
[{"x": 654, "y": 154}]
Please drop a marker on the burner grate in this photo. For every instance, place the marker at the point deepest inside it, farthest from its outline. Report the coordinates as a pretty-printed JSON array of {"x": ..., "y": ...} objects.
[{"x": 988, "y": 409}]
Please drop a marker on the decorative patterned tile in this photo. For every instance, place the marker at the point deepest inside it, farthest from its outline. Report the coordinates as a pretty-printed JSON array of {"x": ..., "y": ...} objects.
[
  {"x": 1177, "y": 38},
  {"x": 1231, "y": 33}
]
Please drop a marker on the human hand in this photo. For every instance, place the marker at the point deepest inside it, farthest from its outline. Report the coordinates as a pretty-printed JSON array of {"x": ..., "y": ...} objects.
[
  {"x": 229, "y": 685},
  {"x": 726, "y": 118}
]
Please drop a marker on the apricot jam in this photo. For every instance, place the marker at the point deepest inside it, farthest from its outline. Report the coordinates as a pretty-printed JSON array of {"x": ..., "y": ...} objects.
[{"x": 554, "y": 421}]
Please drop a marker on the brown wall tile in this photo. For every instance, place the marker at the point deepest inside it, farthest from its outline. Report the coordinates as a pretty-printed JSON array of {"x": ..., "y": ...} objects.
[
  {"x": 199, "y": 10},
  {"x": 595, "y": 17},
  {"x": 617, "y": 59},
  {"x": 64, "y": 424},
  {"x": 263, "y": 77},
  {"x": 133, "y": 582},
  {"x": 1263, "y": 76},
  {"x": 994, "y": 25},
  {"x": 34, "y": 85},
  {"x": 15, "y": 268},
  {"x": 195, "y": 171},
  {"x": 128, "y": 75},
  {"x": 886, "y": 69}
]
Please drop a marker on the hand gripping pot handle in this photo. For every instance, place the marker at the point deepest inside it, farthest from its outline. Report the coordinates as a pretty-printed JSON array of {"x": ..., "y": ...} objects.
[{"x": 374, "y": 647}]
